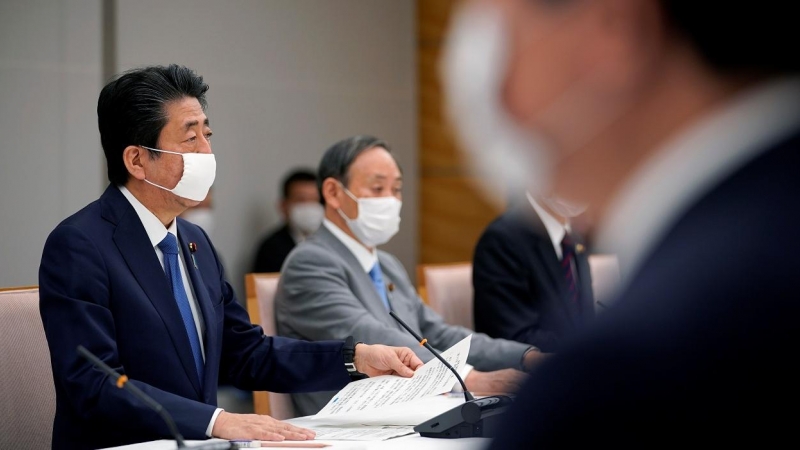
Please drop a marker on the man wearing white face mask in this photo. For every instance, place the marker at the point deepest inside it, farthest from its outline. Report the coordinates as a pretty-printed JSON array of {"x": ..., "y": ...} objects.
[
  {"x": 144, "y": 290},
  {"x": 679, "y": 123},
  {"x": 302, "y": 214},
  {"x": 338, "y": 281}
]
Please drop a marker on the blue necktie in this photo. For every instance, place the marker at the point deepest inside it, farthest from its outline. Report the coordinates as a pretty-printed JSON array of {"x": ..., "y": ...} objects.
[
  {"x": 377, "y": 279},
  {"x": 169, "y": 246}
]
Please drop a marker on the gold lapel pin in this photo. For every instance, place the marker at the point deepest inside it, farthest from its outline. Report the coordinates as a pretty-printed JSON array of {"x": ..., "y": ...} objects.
[{"x": 579, "y": 248}]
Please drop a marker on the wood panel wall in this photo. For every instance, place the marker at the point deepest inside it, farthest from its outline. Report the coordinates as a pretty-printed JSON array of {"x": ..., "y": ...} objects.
[{"x": 452, "y": 213}]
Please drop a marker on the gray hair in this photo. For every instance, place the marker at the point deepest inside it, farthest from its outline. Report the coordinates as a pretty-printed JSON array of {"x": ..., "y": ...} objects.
[{"x": 339, "y": 157}]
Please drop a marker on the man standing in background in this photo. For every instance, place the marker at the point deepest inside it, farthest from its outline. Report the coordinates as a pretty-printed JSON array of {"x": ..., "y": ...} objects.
[{"x": 302, "y": 215}]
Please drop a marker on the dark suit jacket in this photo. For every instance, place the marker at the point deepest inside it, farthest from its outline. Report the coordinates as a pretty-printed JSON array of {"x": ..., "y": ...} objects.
[
  {"x": 273, "y": 251},
  {"x": 520, "y": 291},
  {"x": 701, "y": 347},
  {"x": 102, "y": 286}
]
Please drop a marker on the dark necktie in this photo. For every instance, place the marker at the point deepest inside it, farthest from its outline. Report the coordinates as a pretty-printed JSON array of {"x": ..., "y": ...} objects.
[
  {"x": 377, "y": 280},
  {"x": 567, "y": 264},
  {"x": 169, "y": 246}
]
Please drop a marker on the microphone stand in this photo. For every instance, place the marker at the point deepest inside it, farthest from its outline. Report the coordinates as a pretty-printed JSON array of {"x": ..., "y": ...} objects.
[
  {"x": 121, "y": 381},
  {"x": 474, "y": 418}
]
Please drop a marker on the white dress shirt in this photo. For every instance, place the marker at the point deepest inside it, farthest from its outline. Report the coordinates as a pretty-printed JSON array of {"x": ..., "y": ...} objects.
[
  {"x": 366, "y": 258},
  {"x": 156, "y": 232},
  {"x": 555, "y": 229},
  {"x": 691, "y": 164}
]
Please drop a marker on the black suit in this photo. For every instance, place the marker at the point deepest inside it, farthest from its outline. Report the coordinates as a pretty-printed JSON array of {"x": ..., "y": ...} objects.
[
  {"x": 701, "y": 347},
  {"x": 520, "y": 288},
  {"x": 273, "y": 250}
]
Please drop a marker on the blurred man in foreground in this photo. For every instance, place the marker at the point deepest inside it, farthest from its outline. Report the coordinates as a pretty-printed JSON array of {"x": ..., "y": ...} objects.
[{"x": 679, "y": 122}]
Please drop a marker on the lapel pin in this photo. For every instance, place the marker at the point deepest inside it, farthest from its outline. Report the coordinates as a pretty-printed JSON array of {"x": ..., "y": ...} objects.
[
  {"x": 579, "y": 248},
  {"x": 391, "y": 287},
  {"x": 192, "y": 249}
]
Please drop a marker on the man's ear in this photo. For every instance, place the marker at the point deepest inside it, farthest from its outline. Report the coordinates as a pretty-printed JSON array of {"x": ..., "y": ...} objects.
[
  {"x": 132, "y": 156},
  {"x": 330, "y": 189}
]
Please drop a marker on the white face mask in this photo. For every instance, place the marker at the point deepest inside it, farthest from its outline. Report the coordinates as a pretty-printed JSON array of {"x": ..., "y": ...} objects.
[
  {"x": 306, "y": 217},
  {"x": 202, "y": 217},
  {"x": 378, "y": 219},
  {"x": 199, "y": 171},
  {"x": 505, "y": 159}
]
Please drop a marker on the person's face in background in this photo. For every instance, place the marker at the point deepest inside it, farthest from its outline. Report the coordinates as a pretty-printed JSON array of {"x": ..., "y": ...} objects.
[
  {"x": 202, "y": 215},
  {"x": 301, "y": 208},
  {"x": 374, "y": 173}
]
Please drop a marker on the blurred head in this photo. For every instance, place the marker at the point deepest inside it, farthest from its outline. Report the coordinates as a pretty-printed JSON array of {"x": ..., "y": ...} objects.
[
  {"x": 202, "y": 215},
  {"x": 300, "y": 205},
  {"x": 149, "y": 109},
  {"x": 595, "y": 85},
  {"x": 361, "y": 186}
]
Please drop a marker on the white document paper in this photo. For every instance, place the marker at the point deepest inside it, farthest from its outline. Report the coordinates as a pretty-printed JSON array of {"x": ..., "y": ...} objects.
[
  {"x": 373, "y": 393},
  {"x": 361, "y": 432}
]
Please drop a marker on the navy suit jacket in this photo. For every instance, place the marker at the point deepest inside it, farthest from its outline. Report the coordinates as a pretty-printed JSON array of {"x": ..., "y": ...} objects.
[
  {"x": 273, "y": 250},
  {"x": 701, "y": 347},
  {"x": 520, "y": 290},
  {"x": 102, "y": 286}
]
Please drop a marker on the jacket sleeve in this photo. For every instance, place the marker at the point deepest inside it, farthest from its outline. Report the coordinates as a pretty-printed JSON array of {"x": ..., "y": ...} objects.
[{"x": 485, "y": 354}]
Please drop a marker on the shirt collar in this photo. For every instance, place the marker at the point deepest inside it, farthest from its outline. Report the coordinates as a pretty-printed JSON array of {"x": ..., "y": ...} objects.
[
  {"x": 367, "y": 259},
  {"x": 691, "y": 164},
  {"x": 554, "y": 228},
  {"x": 156, "y": 231}
]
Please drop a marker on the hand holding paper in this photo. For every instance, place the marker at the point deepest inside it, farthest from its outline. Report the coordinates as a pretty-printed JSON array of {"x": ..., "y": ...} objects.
[
  {"x": 377, "y": 360},
  {"x": 431, "y": 379}
]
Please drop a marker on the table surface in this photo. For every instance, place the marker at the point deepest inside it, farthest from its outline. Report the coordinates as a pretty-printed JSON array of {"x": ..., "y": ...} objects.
[{"x": 410, "y": 413}]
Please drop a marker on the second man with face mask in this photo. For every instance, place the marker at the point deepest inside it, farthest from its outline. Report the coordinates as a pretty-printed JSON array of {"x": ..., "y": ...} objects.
[{"x": 338, "y": 282}]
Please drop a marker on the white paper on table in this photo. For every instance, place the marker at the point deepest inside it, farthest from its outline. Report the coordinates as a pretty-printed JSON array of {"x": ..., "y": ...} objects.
[
  {"x": 360, "y": 432},
  {"x": 373, "y": 393}
]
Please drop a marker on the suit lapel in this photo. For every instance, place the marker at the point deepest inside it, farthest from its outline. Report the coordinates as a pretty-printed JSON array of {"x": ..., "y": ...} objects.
[
  {"x": 549, "y": 260},
  {"x": 585, "y": 288},
  {"x": 203, "y": 300},
  {"x": 373, "y": 302},
  {"x": 131, "y": 239}
]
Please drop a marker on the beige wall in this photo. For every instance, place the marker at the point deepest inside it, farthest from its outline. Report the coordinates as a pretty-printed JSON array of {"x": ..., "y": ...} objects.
[
  {"x": 50, "y": 157},
  {"x": 288, "y": 78}
]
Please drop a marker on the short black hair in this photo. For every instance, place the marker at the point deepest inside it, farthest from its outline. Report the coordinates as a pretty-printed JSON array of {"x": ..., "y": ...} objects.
[
  {"x": 339, "y": 157},
  {"x": 297, "y": 176},
  {"x": 738, "y": 37},
  {"x": 131, "y": 110}
]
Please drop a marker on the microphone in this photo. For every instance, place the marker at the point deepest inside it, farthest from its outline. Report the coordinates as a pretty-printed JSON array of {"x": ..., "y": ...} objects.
[
  {"x": 474, "y": 418},
  {"x": 121, "y": 381}
]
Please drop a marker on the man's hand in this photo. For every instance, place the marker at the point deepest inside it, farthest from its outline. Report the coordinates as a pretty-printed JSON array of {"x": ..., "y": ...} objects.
[
  {"x": 257, "y": 427},
  {"x": 532, "y": 359},
  {"x": 375, "y": 360},
  {"x": 504, "y": 381}
]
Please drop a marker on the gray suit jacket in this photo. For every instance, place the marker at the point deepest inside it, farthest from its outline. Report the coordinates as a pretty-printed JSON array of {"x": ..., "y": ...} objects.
[{"x": 324, "y": 293}]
